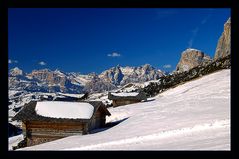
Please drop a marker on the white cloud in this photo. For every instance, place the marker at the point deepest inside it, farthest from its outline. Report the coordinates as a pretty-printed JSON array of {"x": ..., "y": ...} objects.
[
  {"x": 190, "y": 42},
  {"x": 167, "y": 66},
  {"x": 194, "y": 34},
  {"x": 196, "y": 30},
  {"x": 114, "y": 54},
  {"x": 42, "y": 63},
  {"x": 12, "y": 61}
]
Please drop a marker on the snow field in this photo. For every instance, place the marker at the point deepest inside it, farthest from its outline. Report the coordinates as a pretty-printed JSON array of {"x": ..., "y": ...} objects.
[{"x": 191, "y": 116}]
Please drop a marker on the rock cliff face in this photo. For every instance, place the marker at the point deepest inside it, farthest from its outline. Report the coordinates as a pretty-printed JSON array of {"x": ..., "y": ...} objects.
[
  {"x": 191, "y": 58},
  {"x": 97, "y": 85},
  {"x": 43, "y": 80},
  {"x": 49, "y": 77},
  {"x": 123, "y": 75},
  {"x": 113, "y": 75},
  {"x": 224, "y": 43}
]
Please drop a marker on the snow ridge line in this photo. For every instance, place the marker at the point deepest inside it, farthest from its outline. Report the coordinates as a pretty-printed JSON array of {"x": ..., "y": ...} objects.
[{"x": 163, "y": 134}]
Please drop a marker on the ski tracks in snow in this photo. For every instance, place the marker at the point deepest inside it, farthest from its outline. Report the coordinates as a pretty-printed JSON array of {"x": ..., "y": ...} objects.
[{"x": 163, "y": 134}]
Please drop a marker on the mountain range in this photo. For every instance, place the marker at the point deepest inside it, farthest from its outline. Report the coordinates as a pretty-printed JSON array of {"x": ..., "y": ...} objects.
[{"x": 46, "y": 80}]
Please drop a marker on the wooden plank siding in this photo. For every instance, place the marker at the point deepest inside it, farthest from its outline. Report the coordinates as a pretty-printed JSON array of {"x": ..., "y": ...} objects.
[
  {"x": 97, "y": 121},
  {"x": 40, "y": 132},
  {"x": 119, "y": 102}
]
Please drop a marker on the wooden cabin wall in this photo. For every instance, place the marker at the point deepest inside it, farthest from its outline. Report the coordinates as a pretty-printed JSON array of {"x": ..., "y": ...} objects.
[
  {"x": 124, "y": 102},
  {"x": 37, "y": 132},
  {"x": 40, "y": 132},
  {"x": 24, "y": 127},
  {"x": 97, "y": 121}
]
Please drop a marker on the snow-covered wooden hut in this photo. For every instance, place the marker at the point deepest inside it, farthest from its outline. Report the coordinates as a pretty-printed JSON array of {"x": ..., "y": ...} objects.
[
  {"x": 126, "y": 98},
  {"x": 51, "y": 120}
]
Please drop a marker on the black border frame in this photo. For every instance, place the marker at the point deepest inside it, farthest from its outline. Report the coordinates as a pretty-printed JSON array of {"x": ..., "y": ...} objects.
[{"x": 120, "y": 4}]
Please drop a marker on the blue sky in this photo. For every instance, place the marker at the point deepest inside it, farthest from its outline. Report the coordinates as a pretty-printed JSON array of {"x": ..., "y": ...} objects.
[{"x": 93, "y": 40}]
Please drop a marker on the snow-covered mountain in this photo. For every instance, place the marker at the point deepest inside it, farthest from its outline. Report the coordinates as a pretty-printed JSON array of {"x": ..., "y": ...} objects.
[
  {"x": 46, "y": 80},
  {"x": 43, "y": 80},
  {"x": 192, "y": 116},
  {"x": 123, "y": 75},
  {"x": 15, "y": 72}
]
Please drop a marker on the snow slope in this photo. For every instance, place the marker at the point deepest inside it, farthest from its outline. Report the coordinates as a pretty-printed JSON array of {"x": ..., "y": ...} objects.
[
  {"x": 192, "y": 116},
  {"x": 13, "y": 141}
]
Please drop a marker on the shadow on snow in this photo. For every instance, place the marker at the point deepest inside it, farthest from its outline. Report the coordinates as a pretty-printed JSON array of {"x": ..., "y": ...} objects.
[{"x": 108, "y": 126}]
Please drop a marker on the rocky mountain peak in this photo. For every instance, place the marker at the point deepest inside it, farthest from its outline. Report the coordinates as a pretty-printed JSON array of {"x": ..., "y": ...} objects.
[
  {"x": 114, "y": 75},
  {"x": 191, "y": 50},
  {"x": 42, "y": 70},
  {"x": 57, "y": 71},
  {"x": 224, "y": 43},
  {"x": 123, "y": 75},
  {"x": 16, "y": 72},
  {"x": 228, "y": 23},
  {"x": 191, "y": 58},
  {"x": 53, "y": 79},
  {"x": 147, "y": 66}
]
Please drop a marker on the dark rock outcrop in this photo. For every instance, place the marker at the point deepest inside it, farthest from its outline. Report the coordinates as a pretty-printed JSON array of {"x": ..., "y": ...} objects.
[
  {"x": 21, "y": 144},
  {"x": 224, "y": 43},
  {"x": 176, "y": 78}
]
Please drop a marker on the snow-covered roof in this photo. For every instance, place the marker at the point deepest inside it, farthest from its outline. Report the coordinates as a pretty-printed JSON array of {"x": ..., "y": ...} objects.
[
  {"x": 72, "y": 95},
  {"x": 124, "y": 94},
  {"x": 127, "y": 96},
  {"x": 70, "y": 110},
  {"x": 59, "y": 111}
]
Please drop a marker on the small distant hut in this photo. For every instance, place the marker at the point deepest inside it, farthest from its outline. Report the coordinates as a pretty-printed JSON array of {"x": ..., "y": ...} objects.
[
  {"x": 50, "y": 120},
  {"x": 71, "y": 97},
  {"x": 126, "y": 98}
]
